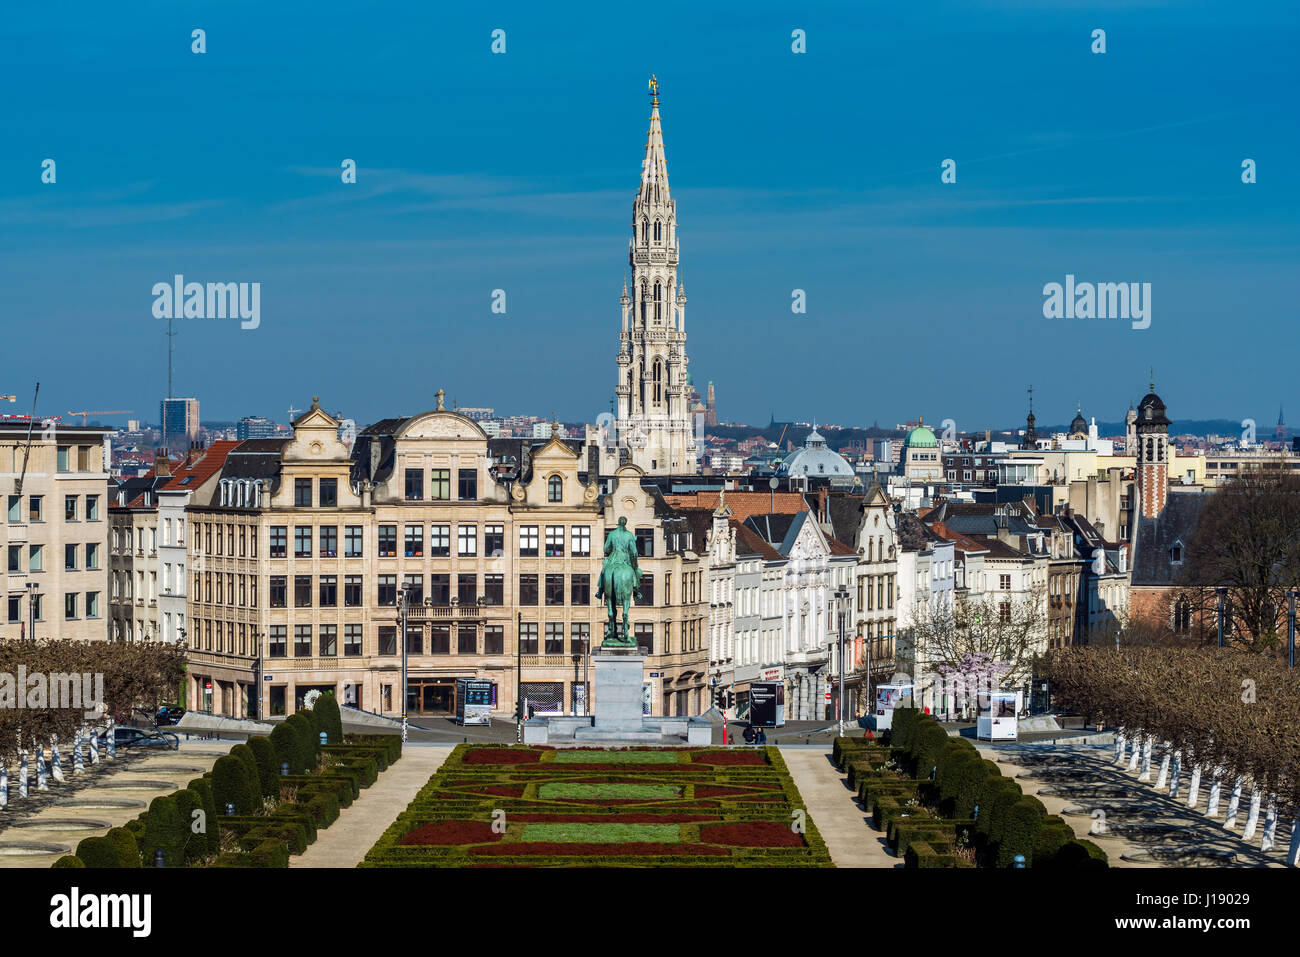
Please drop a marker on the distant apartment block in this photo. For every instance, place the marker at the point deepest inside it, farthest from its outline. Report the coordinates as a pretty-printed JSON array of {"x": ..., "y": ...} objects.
[
  {"x": 254, "y": 427},
  {"x": 55, "y": 532},
  {"x": 179, "y": 418}
]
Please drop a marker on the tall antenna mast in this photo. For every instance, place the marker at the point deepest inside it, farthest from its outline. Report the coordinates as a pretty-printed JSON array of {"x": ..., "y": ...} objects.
[{"x": 170, "y": 334}]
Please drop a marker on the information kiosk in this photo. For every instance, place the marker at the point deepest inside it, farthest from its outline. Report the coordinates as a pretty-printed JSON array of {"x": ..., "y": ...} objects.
[
  {"x": 997, "y": 716},
  {"x": 474, "y": 700},
  {"x": 889, "y": 697}
]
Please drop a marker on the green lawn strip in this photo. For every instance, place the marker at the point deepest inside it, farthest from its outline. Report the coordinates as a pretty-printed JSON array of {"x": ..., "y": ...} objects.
[
  {"x": 602, "y": 833},
  {"x": 614, "y": 757},
  {"x": 559, "y": 790}
]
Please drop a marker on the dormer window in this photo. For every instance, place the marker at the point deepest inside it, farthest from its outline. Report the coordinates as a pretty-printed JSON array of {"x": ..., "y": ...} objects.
[
  {"x": 1176, "y": 553},
  {"x": 555, "y": 489}
]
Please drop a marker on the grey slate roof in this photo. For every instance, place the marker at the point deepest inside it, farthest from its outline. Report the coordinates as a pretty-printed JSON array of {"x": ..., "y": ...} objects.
[{"x": 1151, "y": 563}]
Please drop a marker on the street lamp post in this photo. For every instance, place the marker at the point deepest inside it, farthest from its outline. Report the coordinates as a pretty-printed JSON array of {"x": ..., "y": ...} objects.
[
  {"x": 403, "y": 603},
  {"x": 257, "y": 678},
  {"x": 842, "y": 600},
  {"x": 519, "y": 677},
  {"x": 31, "y": 611}
]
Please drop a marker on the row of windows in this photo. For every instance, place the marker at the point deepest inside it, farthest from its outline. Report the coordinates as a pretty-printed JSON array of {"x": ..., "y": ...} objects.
[
  {"x": 73, "y": 509},
  {"x": 440, "y": 485},
  {"x": 72, "y": 606},
  {"x": 327, "y": 493},
  {"x": 323, "y": 640},
  {"x": 323, "y": 590},
  {"x": 876, "y": 591},
  {"x": 65, "y": 458},
  {"x": 323, "y": 541},
  {"x": 72, "y": 558}
]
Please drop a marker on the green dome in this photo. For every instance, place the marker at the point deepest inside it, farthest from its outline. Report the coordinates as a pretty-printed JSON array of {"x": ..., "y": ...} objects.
[{"x": 920, "y": 438}]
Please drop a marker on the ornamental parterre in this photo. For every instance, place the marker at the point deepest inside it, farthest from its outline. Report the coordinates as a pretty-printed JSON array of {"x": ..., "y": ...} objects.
[{"x": 590, "y": 807}]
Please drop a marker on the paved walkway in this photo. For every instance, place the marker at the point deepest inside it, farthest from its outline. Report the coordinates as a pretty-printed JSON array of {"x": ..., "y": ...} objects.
[
  {"x": 851, "y": 841},
  {"x": 345, "y": 842},
  {"x": 44, "y": 819}
]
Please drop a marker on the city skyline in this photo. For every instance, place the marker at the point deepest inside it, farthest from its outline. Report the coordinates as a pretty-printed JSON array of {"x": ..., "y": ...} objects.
[{"x": 369, "y": 286}]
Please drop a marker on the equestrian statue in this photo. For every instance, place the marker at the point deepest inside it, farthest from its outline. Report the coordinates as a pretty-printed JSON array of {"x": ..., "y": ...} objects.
[{"x": 620, "y": 581}]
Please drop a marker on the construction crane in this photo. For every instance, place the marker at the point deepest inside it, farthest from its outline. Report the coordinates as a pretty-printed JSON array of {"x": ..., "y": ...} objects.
[
  {"x": 27, "y": 449},
  {"x": 102, "y": 412}
]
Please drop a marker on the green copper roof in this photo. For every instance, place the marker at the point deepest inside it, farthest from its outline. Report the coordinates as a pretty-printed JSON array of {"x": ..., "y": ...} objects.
[{"x": 920, "y": 438}]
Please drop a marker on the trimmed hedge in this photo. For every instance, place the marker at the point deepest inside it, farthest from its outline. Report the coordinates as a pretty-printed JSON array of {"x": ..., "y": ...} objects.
[
  {"x": 267, "y": 765},
  {"x": 99, "y": 852},
  {"x": 348, "y": 751},
  {"x": 392, "y": 743},
  {"x": 232, "y": 784},
  {"x": 196, "y": 842},
  {"x": 329, "y": 719},
  {"x": 285, "y": 741},
  {"x": 69, "y": 860},
  {"x": 269, "y": 853},
  {"x": 165, "y": 830},
  {"x": 128, "y": 851},
  {"x": 972, "y": 798},
  {"x": 304, "y": 738},
  {"x": 1019, "y": 826},
  {"x": 203, "y": 788}
]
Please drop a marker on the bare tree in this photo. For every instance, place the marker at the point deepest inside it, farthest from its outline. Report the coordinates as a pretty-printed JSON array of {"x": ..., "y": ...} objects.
[{"x": 1247, "y": 540}]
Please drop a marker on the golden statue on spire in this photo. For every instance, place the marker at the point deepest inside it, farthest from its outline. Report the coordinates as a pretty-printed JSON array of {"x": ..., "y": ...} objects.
[{"x": 654, "y": 87}]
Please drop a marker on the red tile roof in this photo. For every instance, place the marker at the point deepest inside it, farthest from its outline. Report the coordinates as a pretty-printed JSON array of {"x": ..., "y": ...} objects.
[{"x": 742, "y": 504}]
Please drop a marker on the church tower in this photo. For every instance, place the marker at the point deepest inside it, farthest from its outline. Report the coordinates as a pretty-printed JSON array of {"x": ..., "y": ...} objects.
[
  {"x": 654, "y": 415},
  {"x": 1152, "y": 430}
]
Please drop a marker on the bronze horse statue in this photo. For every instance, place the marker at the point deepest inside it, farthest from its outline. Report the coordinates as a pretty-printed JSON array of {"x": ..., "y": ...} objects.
[{"x": 620, "y": 581}]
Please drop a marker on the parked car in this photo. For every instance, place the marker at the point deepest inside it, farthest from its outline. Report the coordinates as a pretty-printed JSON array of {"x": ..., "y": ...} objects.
[
  {"x": 168, "y": 714},
  {"x": 141, "y": 738}
]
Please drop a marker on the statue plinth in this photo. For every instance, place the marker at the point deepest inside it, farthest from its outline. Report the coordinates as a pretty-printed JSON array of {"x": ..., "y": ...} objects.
[{"x": 620, "y": 692}]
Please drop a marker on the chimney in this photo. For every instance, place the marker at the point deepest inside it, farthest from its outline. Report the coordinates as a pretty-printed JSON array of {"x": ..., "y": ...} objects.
[
  {"x": 162, "y": 463},
  {"x": 821, "y": 504}
]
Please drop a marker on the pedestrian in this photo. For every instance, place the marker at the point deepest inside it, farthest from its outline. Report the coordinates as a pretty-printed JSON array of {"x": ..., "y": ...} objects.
[
  {"x": 749, "y": 734},
  {"x": 762, "y": 736}
]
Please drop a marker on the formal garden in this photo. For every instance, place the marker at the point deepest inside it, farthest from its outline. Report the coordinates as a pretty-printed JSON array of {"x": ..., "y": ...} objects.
[
  {"x": 940, "y": 804},
  {"x": 264, "y": 802},
  {"x": 492, "y": 806}
]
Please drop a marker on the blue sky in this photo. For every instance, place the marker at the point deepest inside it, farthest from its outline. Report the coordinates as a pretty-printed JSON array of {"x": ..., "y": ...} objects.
[{"x": 818, "y": 171}]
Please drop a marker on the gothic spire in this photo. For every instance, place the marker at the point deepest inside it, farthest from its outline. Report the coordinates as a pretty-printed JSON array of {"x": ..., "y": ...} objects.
[{"x": 654, "y": 169}]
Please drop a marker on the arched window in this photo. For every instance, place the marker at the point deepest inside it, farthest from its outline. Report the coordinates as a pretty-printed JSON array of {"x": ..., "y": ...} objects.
[
  {"x": 643, "y": 300},
  {"x": 645, "y": 230},
  {"x": 658, "y": 300},
  {"x": 657, "y": 233},
  {"x": 555, "y": 489},
  {"x": 658, "y": 374}
]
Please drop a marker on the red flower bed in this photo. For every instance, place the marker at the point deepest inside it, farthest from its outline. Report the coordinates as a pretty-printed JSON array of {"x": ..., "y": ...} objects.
[
  {"x": 630, "y": 849},
  {"x": 716, "y": 790},
  {"x": 501, "y": 756},
  {"x": 503, "y": 790},
  {"x": 614, "y": 818},
  {"x": 738, "y": 758},
  {"x": 752, "y": 834},
  {"x": 451, "y": 832}
]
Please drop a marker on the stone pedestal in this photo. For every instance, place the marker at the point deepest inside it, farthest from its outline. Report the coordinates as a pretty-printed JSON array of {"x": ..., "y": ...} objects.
[
  {"x": 619, "y": 691},
  {"x": 618, "y": 718}
]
